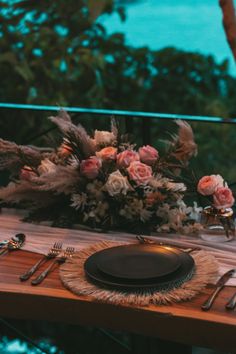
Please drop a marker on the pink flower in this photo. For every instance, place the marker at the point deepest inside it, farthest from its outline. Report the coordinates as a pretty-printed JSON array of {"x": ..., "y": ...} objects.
[
  {"x": 148, "y": 154},
  {"x": 139, "y": 172},
  {"x": 207, "y": 185},
  {"x": 125, "y": 158},
  {"x": 223, "y": 198},
  {"x": 107, "y": 153},
  {"x": 90, "y": 167}
]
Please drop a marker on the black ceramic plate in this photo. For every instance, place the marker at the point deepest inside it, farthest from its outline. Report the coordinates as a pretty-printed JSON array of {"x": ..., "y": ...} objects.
[
  {"x": 137, "y": 262},
  {"x": 174, "y": 279}
]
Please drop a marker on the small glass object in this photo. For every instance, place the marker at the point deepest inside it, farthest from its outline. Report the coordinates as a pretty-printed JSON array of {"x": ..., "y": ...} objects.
[{"x": 218, "y": 224}]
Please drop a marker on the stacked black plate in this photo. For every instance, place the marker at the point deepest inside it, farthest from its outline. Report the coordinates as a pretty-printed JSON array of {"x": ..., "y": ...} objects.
[{"x": 134, "y": 267}]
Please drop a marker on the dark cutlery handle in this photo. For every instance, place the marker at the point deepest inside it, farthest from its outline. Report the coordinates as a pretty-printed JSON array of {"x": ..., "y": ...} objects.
[
  {"x": 43, "y": 275},
  {"x": 33, "y": 269},
  {"x": 3, "y": 251},
  {"x": 208, "y": 303},
  {"x": 231, "y": 303}
]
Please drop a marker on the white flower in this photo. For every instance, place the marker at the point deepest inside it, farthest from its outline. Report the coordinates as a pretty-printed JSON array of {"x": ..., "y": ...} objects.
[
  {"x": 94, "y": 190},
  {"x": 135, "y": 209},
  {"x": 117, "y": 184},
  {"x": 192, "y": 228},
  {"x": 194, "y": 213},
  {"x": 98, "y": 212},
  {"x": 47, "y": 166},
  {"x": 158, "y": 181},
  {"x": 79, "y": 200},
  {"x": 103, "y": 137},
  {"x": 172, "y": 217},
  {"x": 175, "y": 187}
]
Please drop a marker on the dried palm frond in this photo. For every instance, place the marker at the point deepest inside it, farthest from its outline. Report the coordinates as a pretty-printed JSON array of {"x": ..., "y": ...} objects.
[
  {"x": 77, "y": 137},
  {"x": 184, "y": 144}
]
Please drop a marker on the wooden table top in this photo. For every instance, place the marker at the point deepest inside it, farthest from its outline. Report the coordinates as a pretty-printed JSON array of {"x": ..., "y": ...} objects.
[{"x": 183, "y": 322}]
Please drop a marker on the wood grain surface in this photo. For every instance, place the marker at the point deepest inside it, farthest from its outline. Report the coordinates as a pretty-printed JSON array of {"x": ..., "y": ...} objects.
[{"x": 183, "y": 323}]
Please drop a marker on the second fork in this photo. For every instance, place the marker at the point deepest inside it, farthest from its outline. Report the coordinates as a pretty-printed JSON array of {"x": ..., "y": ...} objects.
[
  {"x": 53, "y": 253},
  {"x": 68, "y": 253}
]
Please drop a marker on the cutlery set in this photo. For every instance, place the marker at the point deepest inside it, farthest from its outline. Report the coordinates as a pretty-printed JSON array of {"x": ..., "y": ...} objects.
[
  {"x": 15, "y": 243},
  {"x": 56, "y": 256},
  {"x": 218, "y": 287}
]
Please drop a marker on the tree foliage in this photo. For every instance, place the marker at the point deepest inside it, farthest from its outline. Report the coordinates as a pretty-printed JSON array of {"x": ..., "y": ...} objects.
[{"x": 60, "y": 53}]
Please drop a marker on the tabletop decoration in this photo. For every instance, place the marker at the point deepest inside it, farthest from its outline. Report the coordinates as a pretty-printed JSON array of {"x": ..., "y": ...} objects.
[
  {"x": 103, "y": 181},
  {"x": 218, "y": 217},
  {"x": 74, "y": 278}
]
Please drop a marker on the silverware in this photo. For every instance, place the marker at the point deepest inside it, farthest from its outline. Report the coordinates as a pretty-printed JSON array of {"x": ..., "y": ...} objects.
[
  {"x": 3, "y": 243},
  {"x": 15, "y": 243},
  {"x": 52, "y": 253},
  {"x": 68, "y": 253},
  {"x": 146, "y": 240},
  {"x": 231, "y": 304},
  {"x": 219, "y": 286}
]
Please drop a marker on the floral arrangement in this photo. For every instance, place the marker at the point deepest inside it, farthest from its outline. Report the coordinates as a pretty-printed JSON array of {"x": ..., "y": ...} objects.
[
  {"x": 217, "y": 191},
  {"x": 103, "y": 180}
]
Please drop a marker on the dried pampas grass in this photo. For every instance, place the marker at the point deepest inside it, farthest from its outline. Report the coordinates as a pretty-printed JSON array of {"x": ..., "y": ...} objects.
[
  {"x": 13, "y": 156},
  {"x": 185, "y": 146},
  {"x": 76, "y": 135},
  {"x": 24, "y": 191},
  {"x": 63, "y": 179}
]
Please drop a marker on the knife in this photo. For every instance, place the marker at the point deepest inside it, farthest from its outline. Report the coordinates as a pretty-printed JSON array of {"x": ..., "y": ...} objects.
[{"x": 219, "y": 286}]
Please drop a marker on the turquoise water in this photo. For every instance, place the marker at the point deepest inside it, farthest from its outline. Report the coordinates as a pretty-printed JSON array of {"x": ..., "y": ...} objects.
[{"x": 190, "y": 25}]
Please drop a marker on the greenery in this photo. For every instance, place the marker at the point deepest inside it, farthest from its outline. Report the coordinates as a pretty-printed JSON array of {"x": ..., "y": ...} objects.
[{"x": 55, "y": 53}]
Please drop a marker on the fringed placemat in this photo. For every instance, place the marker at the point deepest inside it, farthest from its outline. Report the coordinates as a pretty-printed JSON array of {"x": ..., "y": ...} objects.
[{"x": 73, "y": 277}]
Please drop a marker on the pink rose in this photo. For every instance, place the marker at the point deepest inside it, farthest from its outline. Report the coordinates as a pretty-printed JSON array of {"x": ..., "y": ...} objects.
[
  {"x": 223, "y": 198},
  {"x": 207, "y": 185},
  {"x": 90, "y": 167},
  {"x": 107, "y": 153},
  {"x": 148, "y": 154},
  {"x": 139, "y": 172},
  {"x": 125, "y": 158}
]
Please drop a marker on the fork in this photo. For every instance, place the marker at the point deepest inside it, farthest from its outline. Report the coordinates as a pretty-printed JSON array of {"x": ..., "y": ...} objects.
[
  {"x": 68, "y": 253},
  {"x": 230, "y": 305},
  {"x": 146, "y": 240},
  {"x": 52, "y": 253}
]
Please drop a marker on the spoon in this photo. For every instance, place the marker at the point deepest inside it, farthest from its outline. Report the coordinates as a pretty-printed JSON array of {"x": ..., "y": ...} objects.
[
  {"x": 3, "y": 243},
  {"x": 14, "y": 243}
]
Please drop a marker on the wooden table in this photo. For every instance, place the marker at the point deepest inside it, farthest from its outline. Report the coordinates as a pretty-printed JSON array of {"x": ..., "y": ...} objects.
[{"x": 183, "y": 323}]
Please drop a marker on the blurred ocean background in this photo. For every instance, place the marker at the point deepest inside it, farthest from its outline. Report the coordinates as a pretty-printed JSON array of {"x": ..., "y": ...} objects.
[{"x": 191, "y": 25}]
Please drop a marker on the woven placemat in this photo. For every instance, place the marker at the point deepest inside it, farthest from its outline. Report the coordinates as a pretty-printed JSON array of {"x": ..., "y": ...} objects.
[{"x": 73, "y": 277}]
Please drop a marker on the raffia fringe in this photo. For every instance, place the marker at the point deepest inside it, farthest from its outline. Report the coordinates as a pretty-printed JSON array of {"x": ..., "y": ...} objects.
[{"x": 73, "y": 277}]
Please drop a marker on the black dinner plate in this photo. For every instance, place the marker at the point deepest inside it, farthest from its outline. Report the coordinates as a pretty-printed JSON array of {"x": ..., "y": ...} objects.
[
  {"x": 137, "y": 262},
  {"x": 174, "y": 279}
]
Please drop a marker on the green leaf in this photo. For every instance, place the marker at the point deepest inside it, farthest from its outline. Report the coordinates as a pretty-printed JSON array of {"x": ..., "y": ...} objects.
[
  {"x": 8, "y": 57},
  {"x": 24, "y": 71}
]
